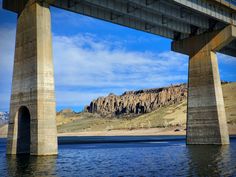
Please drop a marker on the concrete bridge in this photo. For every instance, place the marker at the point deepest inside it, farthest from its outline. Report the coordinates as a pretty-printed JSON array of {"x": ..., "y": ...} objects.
[{"x": 198, "y": 28}]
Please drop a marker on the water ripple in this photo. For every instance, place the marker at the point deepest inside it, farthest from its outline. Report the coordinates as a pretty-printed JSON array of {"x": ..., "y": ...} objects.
[{"x": 125, "y": 159}]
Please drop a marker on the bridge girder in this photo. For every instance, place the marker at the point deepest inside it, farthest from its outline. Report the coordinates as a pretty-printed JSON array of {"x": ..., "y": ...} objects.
[
  {"x": 213, "y": 8},
  {"x": 128, "y": 9},
  {"x": 166, "y": 8},
  {"x": 174, "y": 19}
]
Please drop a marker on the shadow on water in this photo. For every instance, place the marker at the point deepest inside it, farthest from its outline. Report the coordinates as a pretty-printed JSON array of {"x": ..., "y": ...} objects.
[
  {"x": 31, "y": 166},
  {"x": 207, "y": 160}
]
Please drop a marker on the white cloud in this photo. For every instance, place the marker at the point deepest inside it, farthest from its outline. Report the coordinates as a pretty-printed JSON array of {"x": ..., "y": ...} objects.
[{"x": 87, "y": 61}]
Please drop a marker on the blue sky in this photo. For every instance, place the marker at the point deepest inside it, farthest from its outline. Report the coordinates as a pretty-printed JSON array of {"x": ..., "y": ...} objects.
[{"x": 94, "y": 58}]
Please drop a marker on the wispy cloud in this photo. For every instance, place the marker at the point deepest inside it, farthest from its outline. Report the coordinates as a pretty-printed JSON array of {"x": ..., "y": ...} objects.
[
  {"x": 100, "y": 66},
  {"x": 85, "y": 60}
]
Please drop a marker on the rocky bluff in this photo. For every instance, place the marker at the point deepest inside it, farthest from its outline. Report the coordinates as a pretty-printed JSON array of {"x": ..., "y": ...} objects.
[{"x": 133, "y": 103}]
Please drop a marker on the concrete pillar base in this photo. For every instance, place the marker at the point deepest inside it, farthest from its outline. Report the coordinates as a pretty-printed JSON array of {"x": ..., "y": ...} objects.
[
  {"x": 32, "y": 110},
  {"x": 206, "y": 118}
]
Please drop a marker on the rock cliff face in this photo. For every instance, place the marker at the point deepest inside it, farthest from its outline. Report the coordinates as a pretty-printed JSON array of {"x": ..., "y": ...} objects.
[{"x": 133, "y": 103}]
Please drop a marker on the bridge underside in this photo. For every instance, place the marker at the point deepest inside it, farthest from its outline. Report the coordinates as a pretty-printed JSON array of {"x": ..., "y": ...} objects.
[
  {"x": 195, "y": 30},
  {"x": 174, "y": 19}
]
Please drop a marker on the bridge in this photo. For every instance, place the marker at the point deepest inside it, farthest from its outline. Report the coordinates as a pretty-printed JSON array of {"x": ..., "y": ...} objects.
[{"x": 198, "y": 28}]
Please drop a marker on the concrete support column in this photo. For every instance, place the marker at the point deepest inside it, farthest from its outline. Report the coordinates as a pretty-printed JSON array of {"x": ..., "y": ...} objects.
[
  {"x": 206, "y": 118},
  {"x": 33, "y": 81}
]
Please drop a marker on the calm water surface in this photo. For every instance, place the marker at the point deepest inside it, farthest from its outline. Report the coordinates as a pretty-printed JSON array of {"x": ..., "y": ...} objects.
[{"x": 152, "y": 158}]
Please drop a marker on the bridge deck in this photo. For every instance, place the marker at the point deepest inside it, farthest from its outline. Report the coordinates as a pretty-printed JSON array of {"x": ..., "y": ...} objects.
[{"x": 174, "y": 19}]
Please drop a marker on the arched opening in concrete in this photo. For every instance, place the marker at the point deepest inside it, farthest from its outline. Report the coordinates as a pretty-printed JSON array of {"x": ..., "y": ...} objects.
[{"x": 23, "y": 134}]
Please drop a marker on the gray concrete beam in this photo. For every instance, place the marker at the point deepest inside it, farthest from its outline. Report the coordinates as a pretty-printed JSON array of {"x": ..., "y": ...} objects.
[
  {"x": 134, "y": 11},
  {"x": 174, "y": 12},
  {"x": 14, "y": 5},
  {"x": 111, "y": 16},
  {"x": 210, "y": 8},
  {"x": 215, "y": 40}
]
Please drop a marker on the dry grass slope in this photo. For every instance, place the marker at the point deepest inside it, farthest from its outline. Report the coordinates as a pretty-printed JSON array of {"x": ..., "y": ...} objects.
[{"x": 170, "y": 116}]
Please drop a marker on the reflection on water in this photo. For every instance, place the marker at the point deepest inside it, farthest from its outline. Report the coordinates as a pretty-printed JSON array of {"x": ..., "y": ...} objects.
[
  {"x": 169, "y": 158},
  {"x": 208, "y": 160},
  {"x": 26, "y": 165}
]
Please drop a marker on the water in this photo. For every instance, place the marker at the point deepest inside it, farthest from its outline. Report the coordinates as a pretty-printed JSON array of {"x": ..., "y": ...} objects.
[{"x": 152, "y": 158}]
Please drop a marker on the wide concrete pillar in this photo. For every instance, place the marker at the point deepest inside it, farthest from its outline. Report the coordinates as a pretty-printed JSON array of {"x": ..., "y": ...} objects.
[
  {"x": 33, "y": 84},
  {"x": 206, "y": 118}
]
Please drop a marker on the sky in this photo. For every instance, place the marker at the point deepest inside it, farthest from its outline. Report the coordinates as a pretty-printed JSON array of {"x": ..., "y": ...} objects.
[{"x": 93, "y": 58}]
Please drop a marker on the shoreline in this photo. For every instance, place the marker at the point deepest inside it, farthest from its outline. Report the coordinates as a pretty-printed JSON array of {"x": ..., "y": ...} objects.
[
  {"x": 169, "y": 131},
  {"x": 135, "y": 132}
]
